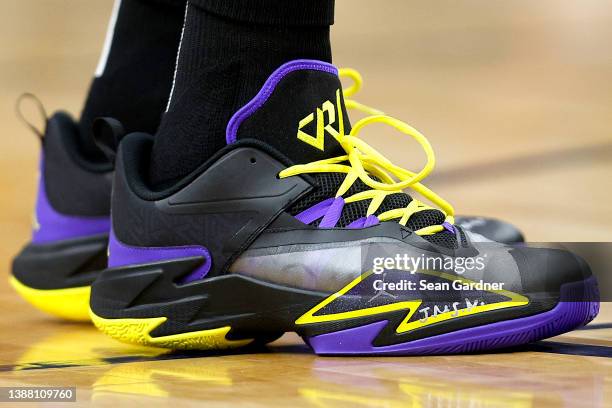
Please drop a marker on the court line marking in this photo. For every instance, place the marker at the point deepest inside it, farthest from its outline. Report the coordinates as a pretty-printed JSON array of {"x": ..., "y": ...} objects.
[
  {"x": 572, "y": 349},
  {"x": 597, "y": 326}
]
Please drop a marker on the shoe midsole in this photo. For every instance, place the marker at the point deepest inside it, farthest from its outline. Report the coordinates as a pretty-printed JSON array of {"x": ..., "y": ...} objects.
[
  {"x": 251, "y": 306},
  {"x": 63, "y": 264}
]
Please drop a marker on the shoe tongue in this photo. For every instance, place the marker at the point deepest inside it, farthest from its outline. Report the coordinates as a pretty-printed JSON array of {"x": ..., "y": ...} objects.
[{"x": 299, "y": 111}]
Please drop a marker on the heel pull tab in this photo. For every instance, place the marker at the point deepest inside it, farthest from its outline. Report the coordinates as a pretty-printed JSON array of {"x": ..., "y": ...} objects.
[
  {"x": 40, "y": 133},
  {"x": 108, "y": 133}
]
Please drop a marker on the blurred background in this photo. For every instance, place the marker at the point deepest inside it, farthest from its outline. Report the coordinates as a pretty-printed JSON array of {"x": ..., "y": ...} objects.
[{"x": 514, "y": 95}]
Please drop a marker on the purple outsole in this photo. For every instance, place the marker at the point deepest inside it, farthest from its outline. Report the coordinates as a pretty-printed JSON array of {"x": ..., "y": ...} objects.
[{"x": 566, "y": 316}]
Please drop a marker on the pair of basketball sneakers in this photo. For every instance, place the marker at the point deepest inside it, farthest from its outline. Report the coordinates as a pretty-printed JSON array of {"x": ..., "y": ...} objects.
[{"x": 276, "y": 232}]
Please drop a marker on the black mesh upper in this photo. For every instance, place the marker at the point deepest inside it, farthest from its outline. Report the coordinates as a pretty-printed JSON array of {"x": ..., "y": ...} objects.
[{"x": 327, "y": 186}]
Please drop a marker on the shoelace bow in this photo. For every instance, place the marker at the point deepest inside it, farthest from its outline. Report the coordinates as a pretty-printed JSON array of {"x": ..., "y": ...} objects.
[{"x": 365, "y": 161}]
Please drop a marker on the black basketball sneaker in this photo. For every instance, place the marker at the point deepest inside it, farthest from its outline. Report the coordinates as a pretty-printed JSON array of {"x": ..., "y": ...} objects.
[
  {"x": 299, "y": 225},
  {"x": 54, "y": 271}
]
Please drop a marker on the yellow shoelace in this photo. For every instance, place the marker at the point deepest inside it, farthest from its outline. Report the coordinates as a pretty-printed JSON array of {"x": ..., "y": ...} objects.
[
  {"x": 365, "y": 161},
  {"x": 357, "y": 83}
]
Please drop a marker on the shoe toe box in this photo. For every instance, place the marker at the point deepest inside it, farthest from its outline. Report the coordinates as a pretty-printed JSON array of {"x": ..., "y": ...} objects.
[{"x": 547, "y": 270}]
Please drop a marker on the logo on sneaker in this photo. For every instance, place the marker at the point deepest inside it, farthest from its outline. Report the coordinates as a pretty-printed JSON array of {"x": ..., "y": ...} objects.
[
  {"x": 324, "y": 123},
  {"x": 410, "y": 303}
]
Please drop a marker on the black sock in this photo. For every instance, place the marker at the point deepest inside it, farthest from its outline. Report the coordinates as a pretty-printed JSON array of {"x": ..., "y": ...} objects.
[
  {"x": 134, "y": 76},
  {"x": 228, "y": 50}
]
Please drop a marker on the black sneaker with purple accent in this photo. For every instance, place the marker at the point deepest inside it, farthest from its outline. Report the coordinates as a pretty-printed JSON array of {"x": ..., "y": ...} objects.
[
  {"x": 293, "y": 227},
  {"x": 54, "y": 271}
]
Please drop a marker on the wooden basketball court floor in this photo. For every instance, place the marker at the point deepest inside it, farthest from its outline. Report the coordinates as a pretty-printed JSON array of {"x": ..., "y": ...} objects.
[{"x": 515, "y": 96}]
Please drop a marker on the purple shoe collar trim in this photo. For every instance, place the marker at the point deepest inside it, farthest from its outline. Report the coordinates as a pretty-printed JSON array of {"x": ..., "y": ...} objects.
[
  {"x": 246, "y": 111},
  {"x": 121, "y": 254},
  {"x": 54, "y": 226},
  {"x": 449, "y": 227}
]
